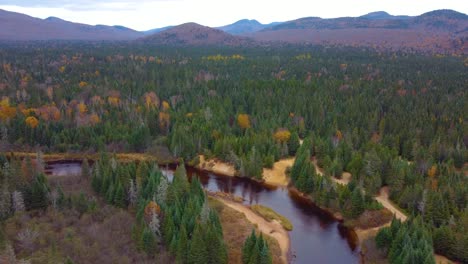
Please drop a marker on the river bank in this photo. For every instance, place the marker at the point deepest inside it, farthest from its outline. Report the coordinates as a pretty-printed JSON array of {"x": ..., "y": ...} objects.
[
  {"x": 273, "y": 228},
  {"x": 312, "y": 225}
]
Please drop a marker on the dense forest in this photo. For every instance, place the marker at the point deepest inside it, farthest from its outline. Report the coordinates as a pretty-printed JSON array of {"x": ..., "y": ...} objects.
[{"x": 390, "y": 119}]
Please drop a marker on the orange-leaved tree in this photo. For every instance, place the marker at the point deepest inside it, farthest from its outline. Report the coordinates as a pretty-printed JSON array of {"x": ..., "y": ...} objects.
[{"x": 32, "y": 122}]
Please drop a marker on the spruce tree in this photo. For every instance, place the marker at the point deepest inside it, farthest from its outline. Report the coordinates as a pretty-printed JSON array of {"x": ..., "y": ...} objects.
[
  {"x": 293, "y": 144},
  {"x": 182, "y": 246},
  {"x": 198, "y": 253},
  {"x": 248, "y": 247},
  {"x": 148, "y": 242},
  {"x": 357, "y": 203}
]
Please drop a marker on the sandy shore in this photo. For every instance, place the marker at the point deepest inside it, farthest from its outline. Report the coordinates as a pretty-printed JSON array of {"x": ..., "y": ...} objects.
[
  {"x": 277, "y": 175},
  {"x": 273, "y": 229},
  {"x": 216, "y": 166}
]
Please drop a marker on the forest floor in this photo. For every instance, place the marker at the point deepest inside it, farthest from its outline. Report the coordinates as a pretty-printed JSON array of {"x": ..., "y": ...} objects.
[
  {"x": 273, "y": 228},
  {"x": 103, "y": 235}
]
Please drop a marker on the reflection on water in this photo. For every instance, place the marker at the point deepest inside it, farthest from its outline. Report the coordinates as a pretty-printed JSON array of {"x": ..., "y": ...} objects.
[
  {"x": 316, "y": 237},
  {"x": 65, "y": 169}
]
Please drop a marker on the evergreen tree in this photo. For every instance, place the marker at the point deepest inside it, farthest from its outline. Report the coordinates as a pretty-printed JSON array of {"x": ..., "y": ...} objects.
[
  {"x": 248, "y": 247},
  {"x": 293, "y": 143},
  {"x": 198, "y": 253},
  {"x": 357, "y": 203},
  {"x": 119, "y": 197},
  {"x": 148, "y": 242},
  {"x": 38, "y": 193},
  {"x": 182, "y": 247}
]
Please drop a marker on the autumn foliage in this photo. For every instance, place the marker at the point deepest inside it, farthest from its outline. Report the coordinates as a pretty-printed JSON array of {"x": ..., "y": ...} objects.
[
  {"x": 152, "y": 208},
  {"x": 32, "y": 122},
  {"x": 282, "y": 135},
  {"x": 243, "y": 120}
]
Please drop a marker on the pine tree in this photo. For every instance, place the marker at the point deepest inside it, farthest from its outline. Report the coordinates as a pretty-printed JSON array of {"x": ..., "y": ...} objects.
[
  {"x": 182, "y": 246},
  {"x": 38, "y": 193},
  {"x": 248, "y": 246},
  {"x": 265, "y": 256},
  {"x": 357, "y": 203},
  {"x": 148, "y": 242},
  {"x": 294, "y": 144},
  {"x": 198, "y": 253},
  {"x": 119, "y": 197}
]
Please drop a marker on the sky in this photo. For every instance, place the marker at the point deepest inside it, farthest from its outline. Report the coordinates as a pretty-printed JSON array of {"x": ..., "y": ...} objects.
[{"x": 149, "y": 14}]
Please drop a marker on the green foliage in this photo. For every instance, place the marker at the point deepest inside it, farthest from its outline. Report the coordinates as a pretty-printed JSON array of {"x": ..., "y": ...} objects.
[
  {"x": 255, "y": 250},
  {"x": 397, "y": 114},
  {"x": 408, "y": 242},
  {"x": 36, "y": 194},
  {"x": 148, "y": 241}
]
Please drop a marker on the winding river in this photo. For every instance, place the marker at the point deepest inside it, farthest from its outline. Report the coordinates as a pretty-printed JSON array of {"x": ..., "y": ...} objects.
[{"x": 316, "y": 237}]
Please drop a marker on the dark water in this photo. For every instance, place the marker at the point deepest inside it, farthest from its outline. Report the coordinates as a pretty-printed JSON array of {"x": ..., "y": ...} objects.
[
  {"x": 316, "y": 237},
  {"x": 63, "y": 169}
]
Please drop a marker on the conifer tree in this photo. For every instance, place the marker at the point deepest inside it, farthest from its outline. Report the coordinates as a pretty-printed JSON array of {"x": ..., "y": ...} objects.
[
  {"x": 293, "y": 144},
  {"x": 198, "y": 253},
  {"x": 182, "y": 246},
  {"x": 148, "y": 242}
]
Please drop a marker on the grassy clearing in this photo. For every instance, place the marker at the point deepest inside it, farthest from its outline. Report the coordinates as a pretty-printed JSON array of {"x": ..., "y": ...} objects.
[{"x": 270, "y": 215}]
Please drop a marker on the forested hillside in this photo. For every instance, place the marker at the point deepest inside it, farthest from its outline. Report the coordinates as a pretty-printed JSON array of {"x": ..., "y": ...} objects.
[{"x": 390, "y": 119}]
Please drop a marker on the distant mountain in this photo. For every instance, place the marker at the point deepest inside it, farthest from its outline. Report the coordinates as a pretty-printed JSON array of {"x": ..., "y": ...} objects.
[
  {"x": 444, "y": 31},
  {"x": 246, "y": 26},
  {"x": 196, "y": 35},
  {"x": 383, "y": 15},
  {"x": 16, "y": 26},
  {"x": 156, "y": 30},
  {"x": 436, "y": 31}
]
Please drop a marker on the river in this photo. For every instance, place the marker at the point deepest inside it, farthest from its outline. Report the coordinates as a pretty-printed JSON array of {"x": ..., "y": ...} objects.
[{"x": 316, "y": 236}]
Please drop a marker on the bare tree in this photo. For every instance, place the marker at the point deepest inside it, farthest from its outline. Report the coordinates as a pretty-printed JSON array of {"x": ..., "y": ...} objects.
[
  {"x": 161, "y": 192},
  {"x": 18, "y": 201},
  {"x": 27, "y": 237},
  {"x": 53, "y": 198},
  {"x": 155, "y": 225},
  {"x": 132, "y": 193},
  {"x": 40, "y": 166}
]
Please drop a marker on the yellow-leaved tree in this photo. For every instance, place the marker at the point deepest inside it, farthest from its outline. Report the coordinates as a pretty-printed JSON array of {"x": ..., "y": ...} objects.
[
  {"x": 282, "y": 135},
  {"x": 243, "y": 120}
]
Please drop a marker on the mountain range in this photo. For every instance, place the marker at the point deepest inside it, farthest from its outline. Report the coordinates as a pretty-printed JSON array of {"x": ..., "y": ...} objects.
[{"x": 436, "y": 31}]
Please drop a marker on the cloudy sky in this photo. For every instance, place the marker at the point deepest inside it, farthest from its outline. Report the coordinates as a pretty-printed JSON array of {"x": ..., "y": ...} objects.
[{"x": 148, "y": 14}]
